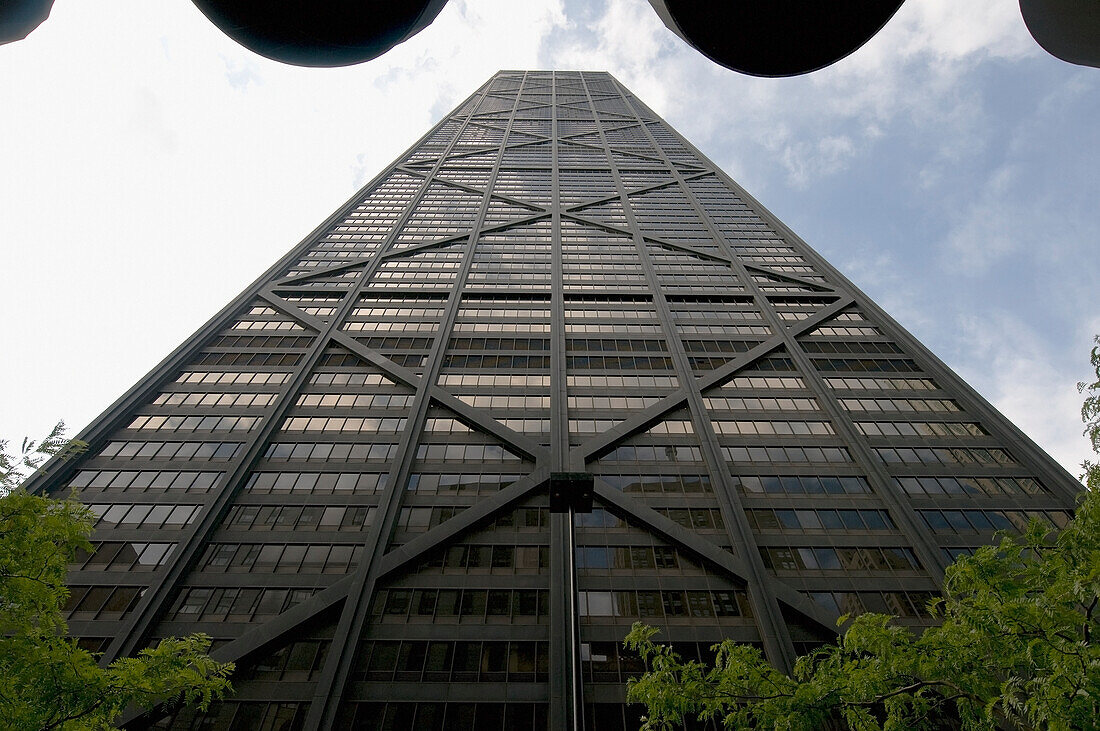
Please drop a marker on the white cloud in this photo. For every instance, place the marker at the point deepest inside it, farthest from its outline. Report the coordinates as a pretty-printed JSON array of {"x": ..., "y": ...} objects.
[
  {"x": 1029, "y": 380},
  {"x": 153, "y": 167},
  {"x": 806, "y": 161},
  {"x": 992, "y": 227}
]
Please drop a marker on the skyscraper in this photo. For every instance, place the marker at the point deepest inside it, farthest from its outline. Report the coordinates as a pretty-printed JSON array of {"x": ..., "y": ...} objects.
[{"x": 551, "y": 373}]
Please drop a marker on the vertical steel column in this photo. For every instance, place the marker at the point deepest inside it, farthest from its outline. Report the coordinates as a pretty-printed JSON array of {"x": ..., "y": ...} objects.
[
  {"x": 914, "y": 529},
  {"x": 566, "y": 688},
  {"x": 774, "y": 634},
  {"x": 153, "y": 604},
  {"x": 333, "y": 679}
]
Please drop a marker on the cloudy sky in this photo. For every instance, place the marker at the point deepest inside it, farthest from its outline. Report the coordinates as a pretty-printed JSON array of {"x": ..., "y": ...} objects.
[{"x": 150, "y": 168}]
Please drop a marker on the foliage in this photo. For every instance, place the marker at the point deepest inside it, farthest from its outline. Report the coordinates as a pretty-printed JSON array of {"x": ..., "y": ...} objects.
[
  {"x": 1014, "y": 647},
  {"x": 1090, "y": 414},
  {"x": 14, "y": 468},
  {"x": 47, "y": 681}
]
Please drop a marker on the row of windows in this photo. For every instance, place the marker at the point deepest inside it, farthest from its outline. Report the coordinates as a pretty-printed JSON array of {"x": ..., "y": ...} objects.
[
  {"x": 447, "y": 426},
  {"x": 465, "y": 453},
  {"x": 848, "y": 346},
  {"x": 724, "y": 329},
  {"x": 685, "y": 314},
  {"x": 847, "y": 332},
  {"x": 234, "y": 604},
  {"x": 882, "y": 384},
  {"x": 945, "y": 455},
  {"x": 861, "y": 559},
  {"x": 246, "y": 359},
  {"x": 143, "y": 516},
  {"x": 213, "y": 451},
  {"x": 360, "y": 400},
  {"x": 757, "y": 383},
  {"x": 896, "y": 603},
  {"x": 233, "y": 377},
  {"x": 502, "y": 312},
  {"x": 632, "y": 559},
  {"x": 900, "y": 404},
  {"x": 700, "y": 519},
  {"x": 618, "y": 362},
  {"x": 349, "y": 379},
  {"x": 667, "y": 604},
  {"x": 982, "y": 521},
  {"x": 787, "y": 454},
  {"x": 507, "y": 402},
  {"x": 752, "y": 403},
  {"x": 487, "y": 379},
  {"x": 659, "y": 484},
  {"x": 195, "y": 423},
  {"x": 636, "y": 403},
  {"x": 652, "y": 453},
  {"x": 419, "y": 520},
  {"x": 123, "y": 556},
  {"x": 299, "y": 517},
  {"x": 148, "y": 481},
  {"x": 106, "y": 603},
  {"x": 399, "y": 313},
  {"x": 920, "y": 429},
  {"x": 502, "y": 327},
  {"x": 610, "y": 662},
  {"x": 278, "y": 451},
  {"x": 346, "y": 425},
  {"x": 857, "y": 365},
  {"x": 770, "y": 428},
  {"x": 959, "y": 486},
  {"x": 621, "y": 381},
  {"x": 818, "y": 520},
  {"x": 294, "y": 662},
  {"x": 399, "y": 327},
  {"x": 215, "y": 399},
  {"x": 621, "y": 345},
  {"x": 718, "y": 346},
  {"x": 279, "y": 558},
  {"x": 635, "y": 313},
  {"x": 521, "y": 606},
  {"x": 378, "y": 716},
  {"x": 367, "y": 302},
  {"x": 504, "y": 362},
  {"x": 457, "y": 662},
  {"x": 396, "y": 343},
  {"x": 801, "y": 485},
  {"x": 459, "y": 483},
  {"x": 267, "y": 324},
  {"x": 480, "y": 559},
  {"x": 320, "y": 483}
]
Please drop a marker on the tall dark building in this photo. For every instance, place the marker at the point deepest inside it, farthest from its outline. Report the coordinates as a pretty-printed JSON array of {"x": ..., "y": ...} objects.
[{"x": 369, "y": 477}]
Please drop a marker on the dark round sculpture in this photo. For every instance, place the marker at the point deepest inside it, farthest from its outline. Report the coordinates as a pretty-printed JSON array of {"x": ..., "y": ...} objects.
[
  {"x": 320, "y": 32},
  {"x": 775, "y": 37},
  {"x": 19, "y": 17},
  {"x": 1066, "y": 29}
]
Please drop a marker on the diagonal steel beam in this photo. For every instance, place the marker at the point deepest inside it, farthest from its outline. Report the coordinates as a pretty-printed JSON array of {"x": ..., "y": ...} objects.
[
  {"x": 603, "y": 442},
  {"x": 484, "y": 510},
  {"x": 712, "y": 256},
  {"x": 704, "y": 549},
  {"x": 470, "y": 414},
  {"x": 817, "y": 286}
]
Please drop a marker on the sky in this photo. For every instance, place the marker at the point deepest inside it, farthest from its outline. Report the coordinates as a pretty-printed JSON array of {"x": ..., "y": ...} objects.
[{"x": 150, "y": 168}]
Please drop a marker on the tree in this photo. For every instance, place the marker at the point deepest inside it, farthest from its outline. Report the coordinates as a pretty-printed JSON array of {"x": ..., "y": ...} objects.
[
  {"x": 47, "y": 681},
  {"x": 1015, "y": 646}
]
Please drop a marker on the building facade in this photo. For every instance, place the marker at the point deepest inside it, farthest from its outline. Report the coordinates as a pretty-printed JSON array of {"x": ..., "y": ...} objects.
[{"x": 549, "y": 374}]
